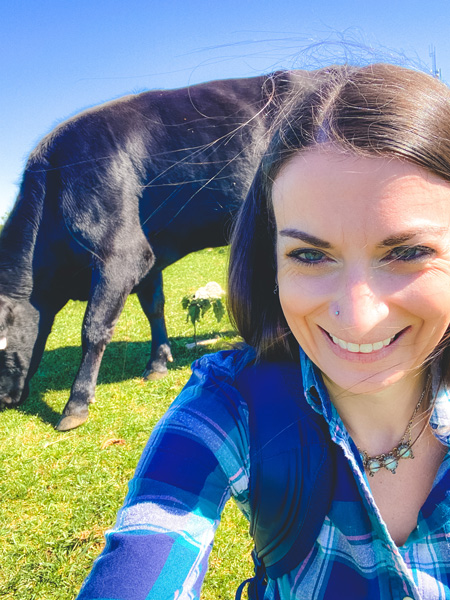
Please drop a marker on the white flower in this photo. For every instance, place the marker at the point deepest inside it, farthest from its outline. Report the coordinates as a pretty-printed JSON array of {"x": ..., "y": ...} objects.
[
  {"x": 201, "y": 293},
  {"x": 214, "y": 290},
  {"x": 210, "y": 291}
]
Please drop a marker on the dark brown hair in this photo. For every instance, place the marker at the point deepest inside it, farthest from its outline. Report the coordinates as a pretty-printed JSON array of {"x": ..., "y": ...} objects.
[{"x": 379, "y": 110}]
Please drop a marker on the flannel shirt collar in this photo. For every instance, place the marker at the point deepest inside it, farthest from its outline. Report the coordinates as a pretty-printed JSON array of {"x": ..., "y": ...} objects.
[{"x": 317, "y": 396}]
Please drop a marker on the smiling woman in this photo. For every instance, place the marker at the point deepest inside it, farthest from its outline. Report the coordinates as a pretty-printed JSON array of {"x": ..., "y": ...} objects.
[
  {"x": 331, "y": 428},
  {"x": 363, "y": 236}
]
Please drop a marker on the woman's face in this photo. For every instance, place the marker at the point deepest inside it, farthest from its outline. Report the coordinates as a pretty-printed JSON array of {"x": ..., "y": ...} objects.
[{"x": 363, "y": 255}]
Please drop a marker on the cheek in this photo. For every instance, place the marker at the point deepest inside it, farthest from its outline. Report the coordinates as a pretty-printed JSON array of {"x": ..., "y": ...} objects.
[
  {"x": 429, "y": 300},
  {"x": 301, "y": 300},
  {"x": 294, "y": 301},
  {"x": 301, "y": 294}
]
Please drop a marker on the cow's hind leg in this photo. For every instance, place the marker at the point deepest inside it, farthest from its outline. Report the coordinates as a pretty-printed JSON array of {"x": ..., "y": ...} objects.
[
  {"x": 111, "y": 285},
  {"x": 151, "y": 297}
]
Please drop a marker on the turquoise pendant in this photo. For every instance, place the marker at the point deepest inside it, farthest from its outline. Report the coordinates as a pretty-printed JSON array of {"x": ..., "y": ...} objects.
[
  {"x": 405, "y": 451},
  {"x": 390, "y": 463},
  {"x": 373, "y": 466}
]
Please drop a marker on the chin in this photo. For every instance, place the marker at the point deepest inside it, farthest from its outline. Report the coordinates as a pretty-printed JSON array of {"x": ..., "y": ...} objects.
[{"x": 365, "y": 382}]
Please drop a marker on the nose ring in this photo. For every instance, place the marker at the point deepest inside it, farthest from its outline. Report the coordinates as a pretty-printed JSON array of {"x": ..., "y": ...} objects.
[{"x": 336, "y": 312}]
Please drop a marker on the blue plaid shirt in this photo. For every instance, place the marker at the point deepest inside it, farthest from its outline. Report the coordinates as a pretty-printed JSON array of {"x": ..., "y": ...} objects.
[{"x": 198, "y": 457}]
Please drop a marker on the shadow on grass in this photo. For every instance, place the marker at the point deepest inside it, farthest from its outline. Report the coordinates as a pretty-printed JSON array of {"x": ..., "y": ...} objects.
[{"x": 122, "y": 361}]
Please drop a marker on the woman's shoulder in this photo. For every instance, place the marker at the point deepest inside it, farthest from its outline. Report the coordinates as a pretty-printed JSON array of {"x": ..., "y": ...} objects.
[
  {"x": 225, "y": 365},
  {"x": 226, "y": 386},
  {"x": 231, "y": 366},
  {"x": 210, "y": 398},
  {"x": 211, "y": 389},
  {"x": 236, "y": 385}
]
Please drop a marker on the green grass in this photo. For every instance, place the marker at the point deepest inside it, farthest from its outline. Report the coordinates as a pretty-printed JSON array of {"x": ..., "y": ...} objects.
[{"x": 59, "y": 492}]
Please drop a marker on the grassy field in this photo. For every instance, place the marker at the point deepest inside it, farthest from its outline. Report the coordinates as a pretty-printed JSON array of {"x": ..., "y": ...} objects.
[{"x": 59, "y": 492}]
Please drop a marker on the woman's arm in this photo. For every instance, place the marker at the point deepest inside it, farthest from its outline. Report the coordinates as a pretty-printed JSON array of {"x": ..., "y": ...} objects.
[{"x": 195, "y": 459}]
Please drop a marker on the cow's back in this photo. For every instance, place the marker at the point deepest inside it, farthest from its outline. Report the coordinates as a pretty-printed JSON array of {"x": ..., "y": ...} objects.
[{"x": 173, "y": 164}]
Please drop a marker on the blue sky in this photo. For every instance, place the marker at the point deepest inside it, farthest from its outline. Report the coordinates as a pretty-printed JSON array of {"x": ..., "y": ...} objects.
[{"x": 60, "y": 56}]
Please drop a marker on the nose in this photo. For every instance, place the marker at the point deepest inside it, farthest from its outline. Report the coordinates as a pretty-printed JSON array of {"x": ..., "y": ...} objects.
[
  {"x": 6, "y": 401},
  {"x": 361, "y": 304}
]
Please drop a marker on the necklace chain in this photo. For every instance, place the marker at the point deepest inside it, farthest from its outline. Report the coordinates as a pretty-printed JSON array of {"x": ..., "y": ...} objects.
[{"x": 390, "y": 460}]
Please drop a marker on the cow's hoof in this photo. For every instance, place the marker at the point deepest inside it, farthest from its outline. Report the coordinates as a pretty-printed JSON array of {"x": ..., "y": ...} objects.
[
  {"x": 153, "y": 375},
  {"x": 70, "y": 422}
]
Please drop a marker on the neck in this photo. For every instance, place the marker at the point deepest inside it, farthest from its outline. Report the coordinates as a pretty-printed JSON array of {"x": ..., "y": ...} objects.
[{"x": 378, "y": 420}]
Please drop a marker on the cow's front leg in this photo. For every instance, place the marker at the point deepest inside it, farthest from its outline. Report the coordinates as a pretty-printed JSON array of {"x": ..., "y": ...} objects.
[
  {"x": 111, "y": 286},
  {"x": 151, "y": 297}
]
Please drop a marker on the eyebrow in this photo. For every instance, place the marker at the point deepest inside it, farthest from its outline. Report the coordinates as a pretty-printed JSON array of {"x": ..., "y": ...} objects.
[
  {"x": 394, "y": 240},
  {"x": 312, "y": 240}
]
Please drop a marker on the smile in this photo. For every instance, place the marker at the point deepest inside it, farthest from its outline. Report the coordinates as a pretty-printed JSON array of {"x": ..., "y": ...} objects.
[{"x": 362, "y": 348}]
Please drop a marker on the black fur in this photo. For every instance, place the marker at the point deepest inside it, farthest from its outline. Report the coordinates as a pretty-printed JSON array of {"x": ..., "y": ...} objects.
[{"x": 113, "y": 196}]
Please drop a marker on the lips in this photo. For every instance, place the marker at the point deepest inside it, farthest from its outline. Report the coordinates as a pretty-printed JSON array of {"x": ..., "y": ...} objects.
[{"x": 363, "y": 348}]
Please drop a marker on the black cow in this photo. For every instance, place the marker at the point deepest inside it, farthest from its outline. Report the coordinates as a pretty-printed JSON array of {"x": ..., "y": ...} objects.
[{"x": 108, "y": 200}]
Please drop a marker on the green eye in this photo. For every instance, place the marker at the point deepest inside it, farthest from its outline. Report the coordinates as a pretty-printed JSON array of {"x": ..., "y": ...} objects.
[
  {"x": 410, "y": 253},
  {"x": 308, "y": 256}
]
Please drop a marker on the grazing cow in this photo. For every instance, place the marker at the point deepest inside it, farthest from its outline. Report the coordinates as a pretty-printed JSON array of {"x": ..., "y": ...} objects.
[{"x": 108, "y": 200}]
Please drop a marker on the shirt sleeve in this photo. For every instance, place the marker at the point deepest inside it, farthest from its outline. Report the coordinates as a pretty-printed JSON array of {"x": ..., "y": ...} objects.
[{"x": 196, "y": 458}]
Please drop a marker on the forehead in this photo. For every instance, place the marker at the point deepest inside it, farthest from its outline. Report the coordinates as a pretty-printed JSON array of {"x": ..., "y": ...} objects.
[{"x": 325, "y": 187}]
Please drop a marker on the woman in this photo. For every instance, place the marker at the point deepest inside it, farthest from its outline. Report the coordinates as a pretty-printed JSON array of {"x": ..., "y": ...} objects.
[{"x": 340, "y": 281}]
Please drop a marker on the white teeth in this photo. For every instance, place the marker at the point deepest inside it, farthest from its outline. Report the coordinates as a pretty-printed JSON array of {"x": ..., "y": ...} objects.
[
  {"x": 363, "y": 348},
  {"x": 366, "y": 348}
]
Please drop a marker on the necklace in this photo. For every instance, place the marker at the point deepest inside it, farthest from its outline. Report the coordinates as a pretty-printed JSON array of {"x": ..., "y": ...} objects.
[{"x": 390, "y": 460}]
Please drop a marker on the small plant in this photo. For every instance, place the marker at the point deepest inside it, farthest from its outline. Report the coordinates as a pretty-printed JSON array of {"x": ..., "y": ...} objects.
[{"x": 197, "y": 304}]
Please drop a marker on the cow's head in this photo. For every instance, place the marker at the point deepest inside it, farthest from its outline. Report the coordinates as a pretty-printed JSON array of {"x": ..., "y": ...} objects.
[{"x": 19, "y": 327}]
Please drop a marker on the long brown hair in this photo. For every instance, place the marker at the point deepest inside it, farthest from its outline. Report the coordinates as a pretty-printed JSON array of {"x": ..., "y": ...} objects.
[{"x": 379, "y": 110}]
